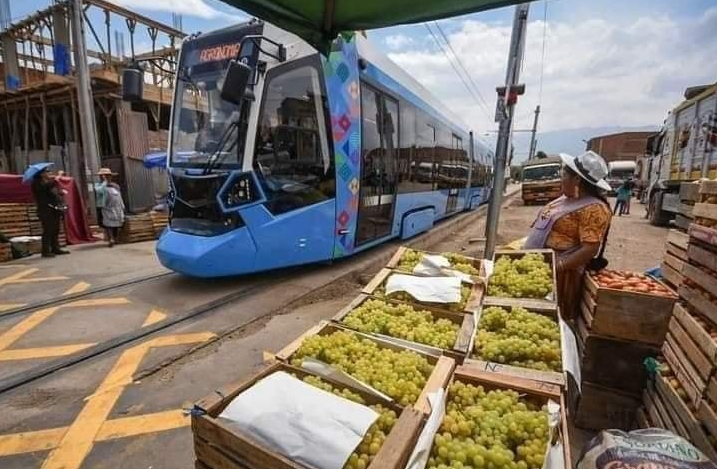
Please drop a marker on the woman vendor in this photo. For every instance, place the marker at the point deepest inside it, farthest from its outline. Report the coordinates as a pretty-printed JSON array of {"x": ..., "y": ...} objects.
[{"x": 574, "y": 225}]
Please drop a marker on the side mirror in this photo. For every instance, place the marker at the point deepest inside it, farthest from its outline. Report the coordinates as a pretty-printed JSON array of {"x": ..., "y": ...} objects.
[
  {"x": 235, "y": 82},
  {"x": 132, "y": 84}
]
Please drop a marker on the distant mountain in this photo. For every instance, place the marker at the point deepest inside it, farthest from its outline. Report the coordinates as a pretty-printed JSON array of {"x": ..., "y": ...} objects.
[{"x": 566, "y": 141}]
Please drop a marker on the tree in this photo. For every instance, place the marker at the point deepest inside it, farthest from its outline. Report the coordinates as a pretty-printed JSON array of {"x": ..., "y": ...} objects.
[{"x": 540, "y": 155}]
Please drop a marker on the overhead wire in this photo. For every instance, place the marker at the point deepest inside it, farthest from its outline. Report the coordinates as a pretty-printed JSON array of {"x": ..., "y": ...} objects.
[
  {"x": 542, "y": 54},
  {"x": 458, "y": 72}
]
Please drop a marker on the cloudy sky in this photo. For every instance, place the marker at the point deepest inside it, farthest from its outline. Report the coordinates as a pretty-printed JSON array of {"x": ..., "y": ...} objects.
[{"x": 602, "y": 63}]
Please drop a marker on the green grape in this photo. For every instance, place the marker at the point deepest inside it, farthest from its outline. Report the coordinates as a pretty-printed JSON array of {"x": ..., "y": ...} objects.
[
  {"x": 411, "y": 258},
  {"x": 398, "y": 374},
  {"x": 402, "y": 321},
  {"x": 519, "y": 338},
  {"x": 380, "y": 292},
  {"x": 490, "y": 429},
  {"x": 525, "y": 277}
]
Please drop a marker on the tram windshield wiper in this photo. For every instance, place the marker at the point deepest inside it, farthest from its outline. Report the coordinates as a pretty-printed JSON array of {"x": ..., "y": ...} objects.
[{"x": 218, "y": 155}]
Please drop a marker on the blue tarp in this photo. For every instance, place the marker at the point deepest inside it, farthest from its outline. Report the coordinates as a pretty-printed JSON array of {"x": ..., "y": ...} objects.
[{"x": 155, "y": 160}]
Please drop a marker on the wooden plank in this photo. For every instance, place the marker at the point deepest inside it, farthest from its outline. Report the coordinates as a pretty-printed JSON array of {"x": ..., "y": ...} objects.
[
  {"x": 697, "y": 332},
  {"x": 708, "y": 187},
  {"x": 548, "y": 377},
  {"x": 680, "y": 368},
  {"x": 659, "y": 414},
  {"x": 376, "y": 281},
  {"x": 396, "y": 258},
  {"x": 674, "y": 262},
  {"x": 708, "y": 416},
  {"x": 212, "y": 456},
  {"x": 678, "y": 239},
  {"x": 701, "y": 363},
  {"x": 685, "y": 210},
  {"x": 703, "y": 233},
  {"x": 703, "y": 257},
  {"x": 600, "y": 407},
  {"x": 439, "y": 378},
  {"x": 643, "y": 420},
  {"x": 682, "y": 222},
  {"x": 672, "y": 276},
  {"x": 629, "y": 315},
  {"x": 702, "y": 279},
  {"x": 470, "y": 373},
  {"x": 699, "y": 303},
  {"x": 711, "y": 392},
  {"x": 689, "y": 191},
  {"x": 674, "y": 406}
]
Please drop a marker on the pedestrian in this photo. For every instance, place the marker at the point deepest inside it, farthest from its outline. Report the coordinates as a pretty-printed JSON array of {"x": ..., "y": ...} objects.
[
  {"x": 622, "y": 199},
  {"x": 50, "y": 208},
  {"x": 575, "y": 225},
  {"x": 631, "y": 187},
  {"x": 101, "y": 194},
  {"x": 113, "y": 215}
]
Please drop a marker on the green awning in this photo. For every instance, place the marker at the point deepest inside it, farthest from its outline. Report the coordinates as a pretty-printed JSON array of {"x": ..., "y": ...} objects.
[{"x": 320, "y": 21}]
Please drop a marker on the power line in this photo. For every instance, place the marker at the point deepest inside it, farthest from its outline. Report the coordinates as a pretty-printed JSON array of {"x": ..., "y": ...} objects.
[
  {"x": 458, "y": 73},
  {"x": 542, "y": 55},
  {"x": 460, "y": 63}
]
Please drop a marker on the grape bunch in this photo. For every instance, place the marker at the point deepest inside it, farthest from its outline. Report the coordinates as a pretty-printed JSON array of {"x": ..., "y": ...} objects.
[
  {"x": 489, "y": 429},
  {"x": 377, "y": 432},
  {"x": 526, "y": 277},
  {"x": 398, "y": 374},
  {"x": 411, "y": 258},
  {"x": 402, "y": 321},
  {"x": 519, "y": 338},
  {"x": 405, "y": 296}
]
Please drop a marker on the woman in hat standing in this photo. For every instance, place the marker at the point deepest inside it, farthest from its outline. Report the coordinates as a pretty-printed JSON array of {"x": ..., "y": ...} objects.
[
  {"x": 575, "y": 225},
  {"x": 113, "y": 215}
]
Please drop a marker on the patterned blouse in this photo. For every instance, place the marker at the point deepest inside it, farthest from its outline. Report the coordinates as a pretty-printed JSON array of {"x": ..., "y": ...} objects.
[{"x": 587, "y": 225}]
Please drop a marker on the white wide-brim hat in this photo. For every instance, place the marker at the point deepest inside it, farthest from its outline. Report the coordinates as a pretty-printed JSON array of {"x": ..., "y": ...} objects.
[{"x": 589, "y": 166}]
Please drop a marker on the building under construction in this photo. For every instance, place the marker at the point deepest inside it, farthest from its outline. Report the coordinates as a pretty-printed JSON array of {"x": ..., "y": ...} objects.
[{"x": 39, "y": 111}]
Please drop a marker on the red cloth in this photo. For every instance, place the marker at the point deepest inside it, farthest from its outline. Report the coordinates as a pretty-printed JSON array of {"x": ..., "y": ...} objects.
[{"x": 77, "y": 230}]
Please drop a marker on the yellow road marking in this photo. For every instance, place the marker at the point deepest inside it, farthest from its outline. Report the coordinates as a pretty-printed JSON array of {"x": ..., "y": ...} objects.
[
  {"x": 154, "y": 316},
  {"x": 12, "y": 266},
  {"x": 45, "y": 440},
  {"x": 36, "y": 318},
  {"x": 9, "y": 306},
  {"x": 21, "y": 277},
  {"x": 79, "y": 287},
  {"x": 42, "y": 352},
  {"x": 80, "y": 437}
]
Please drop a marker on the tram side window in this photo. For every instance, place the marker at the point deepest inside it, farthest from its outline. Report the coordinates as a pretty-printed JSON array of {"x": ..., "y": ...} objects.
[
  {"x": 406, "y": 153},
  {"x": 292, "y": 156}
]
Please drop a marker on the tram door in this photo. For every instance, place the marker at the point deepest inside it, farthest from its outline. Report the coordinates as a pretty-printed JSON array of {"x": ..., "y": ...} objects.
[{"x": 379, "y": 165}]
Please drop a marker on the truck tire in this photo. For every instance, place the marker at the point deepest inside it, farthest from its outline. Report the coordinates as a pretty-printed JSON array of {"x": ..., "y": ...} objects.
[{"x": 657, "y": 216}]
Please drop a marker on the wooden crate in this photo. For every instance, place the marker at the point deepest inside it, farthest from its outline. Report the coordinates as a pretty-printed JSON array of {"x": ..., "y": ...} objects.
[
  {"x": 465, "y": 322},
  {"x": 217, "y": 446},
  {"x": 550, "y": 377},
  {"x": 682, "y": 222},
  {"x": 707, "y": 412},
  {"x": 599, "y": 407},
  {"x": 613, "y": 363},
  {"x": 675, "y": 257},
  {"x": 472, "y": 304},
  {"x": 530, "y": 303},
  {"x": 692, "y": 336},
  {"x": 396, "y": 259},
  {"x": 442, "y": 365},
  {"x": 539, "y": 391},
  {"x": 160, "y": 220},
  {"x": 681, "y": 417},
  {"x": 684, "y": 371},
  {"x": 689, "y": 192},
  {"x": 137, "y": 228},
  {"x": 626, "y": 315},
  {"x": 699, "y": 290}
]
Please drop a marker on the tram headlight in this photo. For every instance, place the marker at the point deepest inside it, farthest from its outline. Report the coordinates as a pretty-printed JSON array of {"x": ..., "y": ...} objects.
[{"x": 239, "y": 192}]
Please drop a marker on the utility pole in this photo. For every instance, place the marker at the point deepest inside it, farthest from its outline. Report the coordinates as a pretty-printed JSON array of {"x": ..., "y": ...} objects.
[
  {"x": 533, "y": 141},
  {"x": 504, "y": 115},
  {"x": 88, "y": 127}
]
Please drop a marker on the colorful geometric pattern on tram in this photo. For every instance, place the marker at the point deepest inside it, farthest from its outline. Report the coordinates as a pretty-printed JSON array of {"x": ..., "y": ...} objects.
[{"x": 342, "y": 83}]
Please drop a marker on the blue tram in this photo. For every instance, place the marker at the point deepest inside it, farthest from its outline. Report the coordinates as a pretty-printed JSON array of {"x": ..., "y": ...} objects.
[{"x": 324, "y": 157}]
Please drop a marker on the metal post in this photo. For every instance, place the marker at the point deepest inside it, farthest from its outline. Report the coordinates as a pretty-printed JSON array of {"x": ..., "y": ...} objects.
[
  {"x": 533, "y": 141},
  {"x": 86, "y": 110},
  {"x": 505, "y": 117}
]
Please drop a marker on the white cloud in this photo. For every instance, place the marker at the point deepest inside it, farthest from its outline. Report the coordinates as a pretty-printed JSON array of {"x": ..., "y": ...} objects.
[
  {"x": 398, "y": 41},
  {"x": 198, "y": 8},
  {"x": 597, "y": 72}
]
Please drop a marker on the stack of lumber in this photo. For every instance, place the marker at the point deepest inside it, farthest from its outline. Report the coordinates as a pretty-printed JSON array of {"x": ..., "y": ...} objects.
[
  {"x": 36, "y": 225},
  {"x": 218, "y": 444},
  {"x": 675, "y": 258},
  {"x": 159, "y": 221},
  {"x": 137, "y": 228},
  {"x": 5, "y": 252},
  {"x": 683, "y": 395},
  {"x": 15, "y": 220},
  {"x": 689, "y": 193},
  {"x": 619, "y": 327}
]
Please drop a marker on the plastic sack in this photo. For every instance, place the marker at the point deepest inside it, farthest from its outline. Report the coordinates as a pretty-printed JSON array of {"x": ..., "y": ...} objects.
[{"x": 648, "y": 448}]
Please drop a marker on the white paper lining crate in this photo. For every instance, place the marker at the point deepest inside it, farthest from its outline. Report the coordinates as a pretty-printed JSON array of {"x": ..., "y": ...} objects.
[
  {"x": 471, "y": 305},
  {"x": 396, "y": 260},
  {"x": 465, "y": 323},
  {"x": 550, "y": 377},
  {"x": 440, "y": 375},
  {"x": 531, "y": 303},
  {"x": 675, "y": 257},
  {"x": 217, "y": 446}
]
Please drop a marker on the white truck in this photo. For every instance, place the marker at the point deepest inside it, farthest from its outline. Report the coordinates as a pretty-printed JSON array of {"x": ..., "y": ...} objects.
[
  {"x": 685, "y": 150},
  {"x": 619, "y": 172}
]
